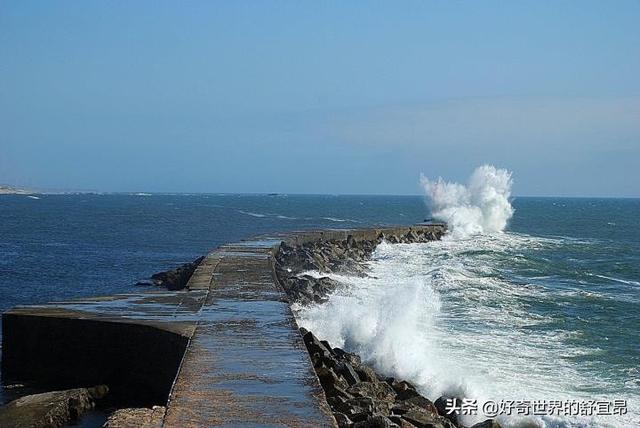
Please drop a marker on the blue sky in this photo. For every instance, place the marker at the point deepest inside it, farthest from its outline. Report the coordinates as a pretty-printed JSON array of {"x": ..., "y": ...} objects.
[{"x": 319, "y": 97}]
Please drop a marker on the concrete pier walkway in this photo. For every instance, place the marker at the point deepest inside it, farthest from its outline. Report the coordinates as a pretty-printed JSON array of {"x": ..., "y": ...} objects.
[{"x": 225, "y": 351}]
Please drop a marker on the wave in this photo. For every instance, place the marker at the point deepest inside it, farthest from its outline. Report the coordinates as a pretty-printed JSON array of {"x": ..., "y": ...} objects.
[
  {"x": 444, "y": 316},
  {"x": 618, "y": 280},
  {"x": 482, "y": 206},
  {"x": 340, "y": 220},
  {"x": 252, "y": 214}
]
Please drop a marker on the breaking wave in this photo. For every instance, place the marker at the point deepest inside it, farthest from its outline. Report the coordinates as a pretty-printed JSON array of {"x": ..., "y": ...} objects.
[
  {"x": 444, "y": 316},
  {"x": 482, "y": 206}
]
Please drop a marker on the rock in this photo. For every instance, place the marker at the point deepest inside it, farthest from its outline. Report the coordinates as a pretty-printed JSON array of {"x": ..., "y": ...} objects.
[
  {"x": 404, "y": 389},
  {"x": 441, "y": 406},
  {"x": 50, "y": 409},
  {"x": 366, "y": 373},
  {"x": 423, "y": 419},
  {"x": 421, "y": 402},
  {"x": 342, "y": 420},
  {"x": 401, "y": 422},
  {"x": 375, "y": 422},
  {"x": 330, "y": 380},
  {"x": 339, "y": 256},
  {"x": 357, "y": 406},
  {"x": 347, "y": 372},
  {"x": 136, "y": 418},
  {"x": 341, "y": 393},
  {"x": 377, "y": 390},
  {"x": 347, "y": 357},
  {"x": 177, "y": 278},
  {"x": 316, "y": 347},
  {"x": 489, "y": 423},
  {"x": 355, "y": 392}
]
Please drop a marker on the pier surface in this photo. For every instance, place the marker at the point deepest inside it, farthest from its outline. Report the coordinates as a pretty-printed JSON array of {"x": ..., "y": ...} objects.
[{"x": 225, "y": 351}]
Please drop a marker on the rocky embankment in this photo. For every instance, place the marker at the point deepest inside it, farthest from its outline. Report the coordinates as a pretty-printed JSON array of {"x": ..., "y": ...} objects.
[
  {"x": 348, "y": 256},
  {"x": 358, "y": 396},
  {"x": 174, "y": 279},
  {"x": 361, "y": 398}
]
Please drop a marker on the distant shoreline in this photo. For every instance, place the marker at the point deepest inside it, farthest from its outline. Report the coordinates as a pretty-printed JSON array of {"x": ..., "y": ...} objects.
[{"x": 8, "y": 190}]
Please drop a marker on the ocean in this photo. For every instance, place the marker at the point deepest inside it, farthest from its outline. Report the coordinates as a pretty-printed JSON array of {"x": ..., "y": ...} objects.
[{"x": 546, "y": 309}]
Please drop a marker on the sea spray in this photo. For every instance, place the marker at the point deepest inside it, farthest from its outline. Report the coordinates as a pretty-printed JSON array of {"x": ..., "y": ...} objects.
[
  {"x": 447, "y": 317},
  {"x": 482, "y": 206}
]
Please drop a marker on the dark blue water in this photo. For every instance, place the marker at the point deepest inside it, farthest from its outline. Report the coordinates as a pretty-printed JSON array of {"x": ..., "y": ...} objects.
[
  {"x": 60, "y": 247},
  {"x": 66, "y": 246}
]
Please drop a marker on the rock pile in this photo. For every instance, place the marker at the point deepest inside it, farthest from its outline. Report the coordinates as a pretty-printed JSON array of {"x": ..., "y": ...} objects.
[
  {"x": 175, "y": 279},
  {"x": 361, "y": 398},
  {"x": 348, "y": 256}
]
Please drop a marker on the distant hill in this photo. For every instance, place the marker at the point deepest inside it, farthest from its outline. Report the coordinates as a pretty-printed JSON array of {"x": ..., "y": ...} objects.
[{"x": 10, "y": 190}]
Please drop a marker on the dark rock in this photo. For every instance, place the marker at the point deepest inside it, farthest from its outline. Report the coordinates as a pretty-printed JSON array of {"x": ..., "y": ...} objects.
[
  {"x": 421, "y": 402},
  {"x": 375, "y": 422},
  {"x": 314, "y": 346},
  {"x": 377, "y": 390},
  {"x": 177, "y": 278},
  {"x": 330, "y": 381},
  {"x": 366, "y": 373},
  {"x": 357, "y": 392},
  {"x": 347, "y": 372},
  {"x": 339, "y": 256},
  {"x": 441, "y": 406},
  {"x": 327, "y": 346},
  {"x": 347, "y": 357},
  {"x": 489, "y": 423},
  {"x": 357, "y": 406},
  {"x": 401, "y": 422},
  {"x": 50, "y": 409},
  {"x": 342, "y": 420},
  {"x": 341, "y": 393},
  {"x": 423, "y": 419},
  {"x": 404, "y": 389}
]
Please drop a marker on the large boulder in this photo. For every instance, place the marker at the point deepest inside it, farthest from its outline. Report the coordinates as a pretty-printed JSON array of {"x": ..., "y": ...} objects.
[
  {"x": 377, "y": 390},
  {"x": 441, "y": 406},
  {"x": 50, "y": 409},
  {"x": 423, "y": 419},
  {"x": 176, "y": 279},
  {"x": 489, "y": 423},
  {"x": 375, "y": 422}
]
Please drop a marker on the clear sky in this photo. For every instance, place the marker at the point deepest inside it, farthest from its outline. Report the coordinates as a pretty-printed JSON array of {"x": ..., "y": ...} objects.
[{"x": 319, "y": 96}]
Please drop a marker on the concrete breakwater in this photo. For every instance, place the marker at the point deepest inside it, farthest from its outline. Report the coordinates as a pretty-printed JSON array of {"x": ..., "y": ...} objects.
[{"x": 225, "y": 350}]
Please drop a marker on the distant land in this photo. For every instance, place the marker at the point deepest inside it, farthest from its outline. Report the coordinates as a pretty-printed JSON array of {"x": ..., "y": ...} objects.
[{"x": 10, "y": 190}]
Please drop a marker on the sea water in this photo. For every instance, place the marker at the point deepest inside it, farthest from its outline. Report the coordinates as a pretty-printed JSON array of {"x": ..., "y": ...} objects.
[{"x": 547, "y": 308}]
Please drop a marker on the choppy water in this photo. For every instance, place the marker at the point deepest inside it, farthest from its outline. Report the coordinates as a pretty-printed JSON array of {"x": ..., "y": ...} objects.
[{"x": 550, "y": 309}]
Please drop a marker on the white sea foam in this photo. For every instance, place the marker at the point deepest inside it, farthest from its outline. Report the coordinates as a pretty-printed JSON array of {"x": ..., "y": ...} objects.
[
  {"x": 340, "y": 220},
  {"x": 440, "y": 315},
  {"x": 252, "y": 214},
  {"x": 480, "y": 206}
]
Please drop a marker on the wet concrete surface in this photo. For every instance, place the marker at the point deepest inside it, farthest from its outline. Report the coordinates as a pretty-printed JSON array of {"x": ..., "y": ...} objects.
[{"x": 243, "y": 362}]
